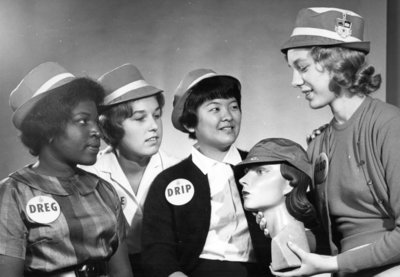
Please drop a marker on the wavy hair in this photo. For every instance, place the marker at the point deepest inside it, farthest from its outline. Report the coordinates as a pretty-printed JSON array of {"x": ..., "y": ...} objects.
[{"x": 349, "y": 69}]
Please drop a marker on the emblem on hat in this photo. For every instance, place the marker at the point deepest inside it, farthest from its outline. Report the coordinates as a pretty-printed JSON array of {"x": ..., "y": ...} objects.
[{"x": 343, "y": 27}]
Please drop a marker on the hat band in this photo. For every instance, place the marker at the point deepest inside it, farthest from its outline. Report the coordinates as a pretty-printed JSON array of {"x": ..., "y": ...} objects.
[
  {"x": 124, "y": 89},
  {"x": 51, "y": 82},
  {"x": 304, "y": 31},
  {"x": 201, "y": 78}
]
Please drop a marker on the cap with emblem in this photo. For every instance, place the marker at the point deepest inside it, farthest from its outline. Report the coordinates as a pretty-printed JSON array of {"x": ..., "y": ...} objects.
[
  {"x": 125, "y": 83},
  {"x": 39, "y": 82},
  {"x": 320, "y": 26},
  {"x": 278, "y": 150}
]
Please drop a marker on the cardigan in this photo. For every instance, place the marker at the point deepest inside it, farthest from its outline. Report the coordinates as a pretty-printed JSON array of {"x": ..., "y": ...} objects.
[
  {"x": 174, "y": 235},
  {"x": 376, "y": 142}
]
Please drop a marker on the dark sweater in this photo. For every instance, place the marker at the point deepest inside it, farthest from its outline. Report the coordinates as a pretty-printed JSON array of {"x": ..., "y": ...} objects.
[{"x": 173, "y": 236}]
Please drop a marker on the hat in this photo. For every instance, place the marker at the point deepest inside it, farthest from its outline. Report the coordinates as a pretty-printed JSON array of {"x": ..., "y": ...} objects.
[
  {"x": 182, "y": 92},
  {"x": 327, "y": 27},
  {"x": 125, "y": 83},
  {"x": 278, "y": 150},
  {"x": 38, "y": 83}
]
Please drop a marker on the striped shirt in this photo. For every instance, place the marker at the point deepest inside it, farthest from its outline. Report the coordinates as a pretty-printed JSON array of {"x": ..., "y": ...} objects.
[{"x": 54, "y": 223}]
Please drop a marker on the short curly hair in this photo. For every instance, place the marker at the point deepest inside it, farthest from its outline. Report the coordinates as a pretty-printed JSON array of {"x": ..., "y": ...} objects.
[
  {"x": 111, "y": 119},
  {"x": 50, "y": 115},
  {"x": 208, "y": 89},
  {"x": 349, "y": 68}
]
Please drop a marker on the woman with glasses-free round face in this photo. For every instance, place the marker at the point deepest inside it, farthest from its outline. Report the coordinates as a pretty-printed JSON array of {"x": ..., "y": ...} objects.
[
  {"x": 218, "y": 124},
  {"x": 47, "y": 207}
]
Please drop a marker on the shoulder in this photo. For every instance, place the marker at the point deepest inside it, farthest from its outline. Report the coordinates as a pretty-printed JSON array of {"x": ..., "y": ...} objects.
[{"x": 382, "y": 111}]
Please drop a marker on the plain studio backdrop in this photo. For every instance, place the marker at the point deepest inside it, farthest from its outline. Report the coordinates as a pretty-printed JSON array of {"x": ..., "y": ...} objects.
[{"x": 165, "y": 39}]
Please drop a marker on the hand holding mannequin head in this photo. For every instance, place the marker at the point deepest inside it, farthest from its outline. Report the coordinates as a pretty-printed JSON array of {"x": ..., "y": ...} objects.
[{"x": 277, "y": 175}]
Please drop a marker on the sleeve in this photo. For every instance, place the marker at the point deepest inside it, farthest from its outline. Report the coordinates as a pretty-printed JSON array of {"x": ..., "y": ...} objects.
[
  {"x": 13, "y": 231},
  {"x": 386, "y": 250},
  {"x": 159, "y": 254}
]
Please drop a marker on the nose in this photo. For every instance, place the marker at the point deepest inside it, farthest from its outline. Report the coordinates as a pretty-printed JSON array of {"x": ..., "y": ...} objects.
[
  {"x": 297, "y": 80},
  {"x": 153, "y": 124},
  {"x": 226, "y": 114},
  {"x": 95, "y": 130},
  {"x": 243, "y": 180}
]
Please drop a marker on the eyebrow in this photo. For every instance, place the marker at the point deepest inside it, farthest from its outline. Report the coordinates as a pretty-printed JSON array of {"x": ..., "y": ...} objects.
[{"x": 143, "y": 111}]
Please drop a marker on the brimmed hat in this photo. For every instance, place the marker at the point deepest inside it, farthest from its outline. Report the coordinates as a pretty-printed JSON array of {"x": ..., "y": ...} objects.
[
  {"x": 328, "y": 27},
  {"x": 182, "y": 92},
  {"x": 278, "y": 150},
  {"x": 125, "y": 83},
  {"x": 38, "y": 83}
]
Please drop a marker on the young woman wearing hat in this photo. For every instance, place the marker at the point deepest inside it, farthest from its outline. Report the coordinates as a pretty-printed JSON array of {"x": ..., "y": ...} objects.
[
  {"x": 356, "y": 162},
  {"x": 56, "y": 219},
  {"x": 277, "y": 175},
  {"x": 131, "y": 124}
]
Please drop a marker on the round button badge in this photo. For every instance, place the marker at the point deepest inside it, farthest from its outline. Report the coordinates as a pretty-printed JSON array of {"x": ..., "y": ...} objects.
[
  {"x": 321, "y": 168},
  {"x": 43, "y": 209},
  {"x": 179, "y": 192}
]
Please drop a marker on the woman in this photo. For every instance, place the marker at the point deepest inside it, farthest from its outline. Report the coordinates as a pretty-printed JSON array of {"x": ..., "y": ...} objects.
[
  {"x": 131, "y": 125},
  {"x": 356, "y": 165},
  {"x": 275, "y": 183},
  {"x": 57, "y": 220}
]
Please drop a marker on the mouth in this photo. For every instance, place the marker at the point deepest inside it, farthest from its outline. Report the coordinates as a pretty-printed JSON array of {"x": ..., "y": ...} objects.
[
  {"x": 94, "y": 146},
  {"x": 245, "y": 193},
  {"x": 152, "y": 139},
  {"x": 227, "y": 128}
]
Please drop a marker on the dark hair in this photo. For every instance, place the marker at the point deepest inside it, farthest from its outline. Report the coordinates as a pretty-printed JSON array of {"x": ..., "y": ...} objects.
[
  {"x": 349, "y": 67},
  {"x": 208, "y": 89},
  {"x": 49, "y": 116},
  {"x": 111, "y": 119},
  {"x": 297, "y": 201}
]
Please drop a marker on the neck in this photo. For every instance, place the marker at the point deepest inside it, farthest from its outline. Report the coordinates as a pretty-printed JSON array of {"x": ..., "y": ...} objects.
[
  {"x": 213, "y": 152},
  {"x": 131, "y": 164},
  {"x": 345, "y": 106},
  {"x": 278, "y": 217},
  {"x": 53, "y": 168}
]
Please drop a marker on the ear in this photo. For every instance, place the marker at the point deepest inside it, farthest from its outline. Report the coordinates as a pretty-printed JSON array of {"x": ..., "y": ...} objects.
[
  {"x": 288, "y": 188},
  {"x": 189, "y": 129}
]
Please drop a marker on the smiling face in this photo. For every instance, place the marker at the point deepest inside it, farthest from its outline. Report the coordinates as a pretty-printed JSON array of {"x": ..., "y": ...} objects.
[
  {"x": 80, "y": 141},
  {"x": 143, "y": 130},
  {"x": 218, "y": 124},
  {"x": 264, "y": 187},
  {"x": 311, "y": 78}
]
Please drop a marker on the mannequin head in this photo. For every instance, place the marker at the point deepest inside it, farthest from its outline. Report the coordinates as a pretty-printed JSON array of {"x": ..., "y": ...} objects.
[{"x": 277, "y": 172}]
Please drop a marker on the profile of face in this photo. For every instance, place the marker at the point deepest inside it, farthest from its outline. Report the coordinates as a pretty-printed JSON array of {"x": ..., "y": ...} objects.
[
  {"x": 143, "y": 130},
  {"x": 80, "y": 141},
  {"x": 310, "y": 77},
  {"x": 264, "y": 187},
  {"x": 218, "y": 124}
]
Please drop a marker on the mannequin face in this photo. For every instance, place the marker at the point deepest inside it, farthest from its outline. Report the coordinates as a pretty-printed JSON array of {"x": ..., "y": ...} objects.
[{"x": 264, "y": 187}]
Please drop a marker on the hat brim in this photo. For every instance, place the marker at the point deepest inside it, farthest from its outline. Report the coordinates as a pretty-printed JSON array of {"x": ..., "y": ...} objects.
[
  {"x": 270, "y": 160},
  {"x": 133, "y": 95},
  {"x": 180, "y": 104},
  {"x": 309, "y": 41},
  {"x": 20, "y": 114}
]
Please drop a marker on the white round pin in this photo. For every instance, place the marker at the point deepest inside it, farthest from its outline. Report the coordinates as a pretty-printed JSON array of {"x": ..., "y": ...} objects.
[
  {"x": 179, "y": 192},
  {"x": 43, "y": 209}
]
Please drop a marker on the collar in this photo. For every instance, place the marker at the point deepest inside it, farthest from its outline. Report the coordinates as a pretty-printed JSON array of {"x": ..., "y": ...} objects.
[
  {"x": 82, "y": 181},
  {"x": 205, "y": 163}
]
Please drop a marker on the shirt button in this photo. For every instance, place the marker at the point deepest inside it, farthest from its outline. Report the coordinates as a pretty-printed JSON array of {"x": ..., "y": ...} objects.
[
  {"x": 369, "y": 183},
  {"x": 380, "y": 201},
  {"x": 361, "y": 163}
]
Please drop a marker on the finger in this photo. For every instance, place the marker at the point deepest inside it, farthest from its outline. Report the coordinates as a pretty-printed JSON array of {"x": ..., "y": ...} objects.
[
  {"x": 296, "y": 250},
  {"x": 266, "y": 232},
  {"x": 284, "y": 274},
  {"x": 263, "y": 224}
]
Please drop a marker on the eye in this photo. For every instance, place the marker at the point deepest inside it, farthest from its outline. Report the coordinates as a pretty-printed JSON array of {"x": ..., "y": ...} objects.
[
  {"x": 157, "y": 115},
  {"x": 215, "y": 109},
  {"x": 246, "y": 170}
]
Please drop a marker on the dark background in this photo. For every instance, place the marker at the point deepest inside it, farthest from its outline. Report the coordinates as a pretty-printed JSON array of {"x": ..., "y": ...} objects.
[{"x": 168, "y": 38}]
